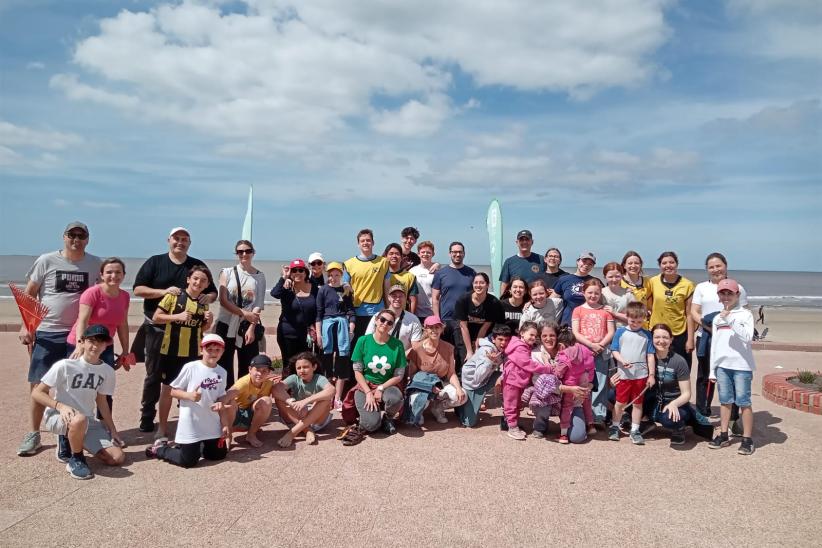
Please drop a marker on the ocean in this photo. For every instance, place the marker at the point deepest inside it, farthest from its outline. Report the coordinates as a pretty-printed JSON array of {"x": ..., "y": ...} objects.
[{"x": 783, "y": 289}]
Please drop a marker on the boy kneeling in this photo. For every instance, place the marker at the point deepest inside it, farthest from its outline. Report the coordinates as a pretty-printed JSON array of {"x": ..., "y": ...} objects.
[
  {"x": 309, "y": 403},
  {"x": 79, "y": 384},
  {"x": 252, "y": 399}
]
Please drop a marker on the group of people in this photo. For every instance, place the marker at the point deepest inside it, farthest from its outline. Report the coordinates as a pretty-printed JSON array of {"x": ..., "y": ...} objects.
[{"x": 380, "y": 339}]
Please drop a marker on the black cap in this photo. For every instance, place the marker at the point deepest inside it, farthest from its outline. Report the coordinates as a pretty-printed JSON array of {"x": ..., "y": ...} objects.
[
  {"x": 260, "y": 360},
  {"x": 525, "y": 234},
  {"x": 97, "y": 330}
]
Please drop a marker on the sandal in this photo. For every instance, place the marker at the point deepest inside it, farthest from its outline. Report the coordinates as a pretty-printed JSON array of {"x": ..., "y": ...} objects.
[
  {"x": 344, "y": 432},
  {"x": 354, "y": 436}
]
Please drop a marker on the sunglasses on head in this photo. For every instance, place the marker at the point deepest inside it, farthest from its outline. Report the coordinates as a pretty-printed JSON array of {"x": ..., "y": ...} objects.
[
  {"x": 76, "y": 235},
  {"x": 244, "y": 251},
  {"x": 383, "y": 319}
]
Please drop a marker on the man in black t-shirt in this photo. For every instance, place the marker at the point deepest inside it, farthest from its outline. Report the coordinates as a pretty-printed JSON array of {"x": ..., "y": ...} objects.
[{"x": 161, "y": 275}]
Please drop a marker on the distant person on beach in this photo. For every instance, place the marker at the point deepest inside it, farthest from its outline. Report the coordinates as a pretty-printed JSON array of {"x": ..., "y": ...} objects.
[
  {"x": 56, "y": 279},
  {"x": 569, "y": 286},
  {"x": 525, "y": 264},
  {"x": 672, "y": 294},
  {"x": 161, "y": 275},
  {"x": 424, "y": 277},
  {"x": 732, "y": 364},
  {"x": 298, "y": 311},
  {"x": 704, "y": 306},
  {"x": 316, "y": 263},
  {"x": 242, "y": 299},
  {"x": 761, "y": 317},
  {"x": 408, "y": 238},
  {"x": 450, "y": 283},
  {"x": 365, "y": 273}
]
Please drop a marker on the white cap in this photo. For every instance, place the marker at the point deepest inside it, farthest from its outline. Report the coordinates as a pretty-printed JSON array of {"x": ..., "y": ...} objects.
[
  {"x": 177, "y": 229},
  {"x": 316, "y": 256},
  {"x": 212, "y": 338}
]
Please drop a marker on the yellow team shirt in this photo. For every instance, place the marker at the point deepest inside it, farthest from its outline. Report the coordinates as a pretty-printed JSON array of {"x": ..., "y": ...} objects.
[
  {"x": 367, "y": 278},
  {"x": 247, "y": 393},
  {"x": 406, "y": 279},
  {"x": 669, "y": 303}
]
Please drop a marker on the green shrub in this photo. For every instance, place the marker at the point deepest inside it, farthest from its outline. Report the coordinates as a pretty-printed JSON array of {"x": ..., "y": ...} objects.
[{"x": 808, "y": 377}]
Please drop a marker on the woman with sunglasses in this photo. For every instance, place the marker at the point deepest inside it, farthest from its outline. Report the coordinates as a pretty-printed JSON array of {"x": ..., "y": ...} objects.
[
  {"x": 242, "y": 298},
  {"x": 298, "y": 310},
  {"x": 379, "y": 367}
]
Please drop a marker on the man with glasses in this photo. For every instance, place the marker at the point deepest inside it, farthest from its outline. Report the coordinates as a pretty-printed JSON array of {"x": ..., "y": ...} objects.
[
  {"x": 524, "y": 265},
  {"x": 449, "y": 284},
  {"x": 161, "y": 275},
  {"x": 57, "y": 280},
  {"x": 316, "y": 262}
]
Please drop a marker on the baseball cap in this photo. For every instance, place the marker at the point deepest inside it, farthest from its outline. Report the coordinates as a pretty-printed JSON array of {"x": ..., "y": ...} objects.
[
  {"x": 297, "y": 263},
  {"x": 432, "y": 320},
  {"x": 316, "y": 256},
  {"x": 212, "y": 338},
  {"x": 332, "y": 265},
  {"x": 261, "y": 360},
  {"x": 587, "y": 255},
  {"x": 396, "y": 287},
  {"x": 728, "y": 285},
  {"x": 525, "y": 234},
  {"x": 96, "y": 330},
  {"x": 76, "y": 224},
  {"x": 177, "y": 229}
]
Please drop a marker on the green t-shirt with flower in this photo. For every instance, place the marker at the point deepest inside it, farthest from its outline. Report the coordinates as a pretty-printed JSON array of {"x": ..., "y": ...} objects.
[{"x": 380, "y": 361}]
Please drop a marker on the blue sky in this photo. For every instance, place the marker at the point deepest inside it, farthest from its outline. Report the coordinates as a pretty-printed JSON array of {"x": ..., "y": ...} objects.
[{"x": 639, "y": 124}]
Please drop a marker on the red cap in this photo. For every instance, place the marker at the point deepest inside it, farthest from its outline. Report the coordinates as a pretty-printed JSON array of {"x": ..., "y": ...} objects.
[
  {"x": 727, "y": 284},
  {"x": 297, "y": 263}
]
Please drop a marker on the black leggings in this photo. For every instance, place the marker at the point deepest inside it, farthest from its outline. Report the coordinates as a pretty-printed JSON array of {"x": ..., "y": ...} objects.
[
  {"x": 244, "y": 355},
  {"x": 188, "y": 454},
  {"x": 290, "y": 347}
]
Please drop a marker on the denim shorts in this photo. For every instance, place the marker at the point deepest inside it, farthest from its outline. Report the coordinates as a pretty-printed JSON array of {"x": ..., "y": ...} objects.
[{"x": 734, "y": 386}]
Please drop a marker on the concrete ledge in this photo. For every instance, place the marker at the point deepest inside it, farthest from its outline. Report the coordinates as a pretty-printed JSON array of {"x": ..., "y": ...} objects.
[
  {"x": 777, "y": 388},
  {"x": 791, "y": 347}
]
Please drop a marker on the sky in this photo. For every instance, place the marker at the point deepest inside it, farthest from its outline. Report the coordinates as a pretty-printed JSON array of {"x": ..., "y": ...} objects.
[{"x": 605, "y": 125}]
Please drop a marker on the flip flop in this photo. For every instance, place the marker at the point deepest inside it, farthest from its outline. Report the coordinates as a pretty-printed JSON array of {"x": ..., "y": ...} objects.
[{"x": 354, "y": 436}]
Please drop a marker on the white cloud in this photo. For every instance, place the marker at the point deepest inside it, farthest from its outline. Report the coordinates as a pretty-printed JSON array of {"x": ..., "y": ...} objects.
[
  {"x": 35, "y": 65},
  {"x": 799, "y": 119},
  {"x": 778, "y": 29},
  {"x": 100, "y": 205},
  {"x": 19, "y": 145},
  {"x": 292, "y": 75}
]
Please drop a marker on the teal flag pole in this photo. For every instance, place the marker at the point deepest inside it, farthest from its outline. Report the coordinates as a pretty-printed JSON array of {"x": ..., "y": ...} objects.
[
  {"x": 249, "y": 216},
  {"x": 494, "y": 222}
]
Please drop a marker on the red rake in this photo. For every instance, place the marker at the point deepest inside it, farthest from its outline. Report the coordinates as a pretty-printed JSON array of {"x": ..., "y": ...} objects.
[{"x": 31, "y": 310}]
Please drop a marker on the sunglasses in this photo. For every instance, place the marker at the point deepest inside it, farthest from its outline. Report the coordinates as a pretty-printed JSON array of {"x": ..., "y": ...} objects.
[
  {"x": 244, "y": 252},
  {"x": 317, "y": 263},
  {"x": 76, "y": 235},
  {"x": 295, "y": 270},
  {"x": 384, "y": 320}
]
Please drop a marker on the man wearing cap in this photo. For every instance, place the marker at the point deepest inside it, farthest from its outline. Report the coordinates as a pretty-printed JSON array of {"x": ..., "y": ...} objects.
[
  {"x": 407, "y": 327},
  {"x": 525, "y": 265},
  {"x": 57, "y": 280},
  {"x": 569, "y": 286},
  {"x": 316, "y": 262},
  {"x": 161, "y": 275}
]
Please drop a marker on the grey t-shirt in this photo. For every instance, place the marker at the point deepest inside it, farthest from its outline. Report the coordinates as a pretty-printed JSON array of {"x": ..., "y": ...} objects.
[
  {"x": 301, "y": 389},
  {"x": 61, "y": 284}
]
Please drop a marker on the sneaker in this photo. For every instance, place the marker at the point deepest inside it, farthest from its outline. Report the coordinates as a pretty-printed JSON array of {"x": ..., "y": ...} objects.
[
  {"x": 159, "y": 442},
  {"x": 151, "y": 450},
  {"x": 537, "y": 435},
  {"x": 720, "y": 441},
  {"x": 31, "y": 443},
  {"x": 636, "y": 438},
  {"x": 63, "y": 452},
  {"x": 563, "y": 439},
  {"x": 78, "y": 469},
  {"x": 736, "y": 428},
  {"x": 337, "y": 404},
  {"x": 701, "y": 419},
  {"x": 516, "y": 433},
  {"x": 146, "y": 425},
  {"x": 388, "y": 426},
  {"x": 503, "y": 424},
  {"x": 747, "y": 447},
  {"x": 625, "y": 424},
  {"x": 613, "y": 433},
  {"x": 677, "y": 437},
  {"x": 439, "y": 413}
]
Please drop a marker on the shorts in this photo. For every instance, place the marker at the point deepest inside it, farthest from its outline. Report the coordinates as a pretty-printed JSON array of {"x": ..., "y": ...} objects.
[
  {"x": 96, "y": 439},
  {"x": 244, "y": 417},
  {"x": 734, "y": 386},
  {"x": 49, "y": 348},
  {"x": 627, "y": 390},
  {"x": 170, "y": 367}
]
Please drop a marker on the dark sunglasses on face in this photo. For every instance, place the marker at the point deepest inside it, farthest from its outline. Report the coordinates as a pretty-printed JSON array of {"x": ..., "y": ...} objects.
[
  {"x": 317, "y": 263},
  {"x": 295, "y": 270},
  {"x": 385, "y": 320},
  {"x": 76, "y": 235},
  {"x": 245, "y": 252}
]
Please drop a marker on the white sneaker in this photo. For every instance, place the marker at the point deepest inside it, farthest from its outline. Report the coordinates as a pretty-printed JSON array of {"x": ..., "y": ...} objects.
[{"x": 439, "y": 413}]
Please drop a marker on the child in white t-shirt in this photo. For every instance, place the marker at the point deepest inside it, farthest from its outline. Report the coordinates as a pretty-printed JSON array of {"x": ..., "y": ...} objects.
[
  {"x": 202, "y": 429},
  {"x": 540, "y": 308},
  {"x": 78, "y": 384}
]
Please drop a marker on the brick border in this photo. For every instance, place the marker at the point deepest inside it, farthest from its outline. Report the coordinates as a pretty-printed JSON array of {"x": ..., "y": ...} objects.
[{"x": 776, "y": 388}]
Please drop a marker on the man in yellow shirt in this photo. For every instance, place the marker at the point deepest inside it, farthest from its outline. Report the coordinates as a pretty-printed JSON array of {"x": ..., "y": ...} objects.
[{"x": 365, "y": 273}]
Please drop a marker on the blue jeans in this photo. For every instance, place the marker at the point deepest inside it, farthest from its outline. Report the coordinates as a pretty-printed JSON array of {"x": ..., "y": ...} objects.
[
  {"x": 468, "y": 412},
  {"x": 599, "y": 399},
  {"x": 338, "y": 325},
  {"x": 734, "y": 386}
]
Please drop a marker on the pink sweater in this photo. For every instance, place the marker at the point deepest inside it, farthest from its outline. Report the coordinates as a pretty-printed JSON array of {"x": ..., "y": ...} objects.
[
  {"x": 519, "y": 367},
  {"x": 574, "y": 362}
]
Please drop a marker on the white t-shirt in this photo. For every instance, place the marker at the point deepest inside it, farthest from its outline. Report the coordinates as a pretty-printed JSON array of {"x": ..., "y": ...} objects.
[
  {"x": 617, "y": 302},
  {"x": 424, "y": 281},
  {"x": 539, "y": 315},
  {"x": 705, "y": 296},
  {"x": 410, "y": 329},
  {"x": 252, "y": 295},
  {"x": 77, "y": 383},
  {"x": 197, "y": 421}
]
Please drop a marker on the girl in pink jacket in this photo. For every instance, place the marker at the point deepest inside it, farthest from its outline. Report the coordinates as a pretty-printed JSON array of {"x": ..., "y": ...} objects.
[
  {"x": 575, "y": 367},
  {"x": 516, "y": 375}
]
